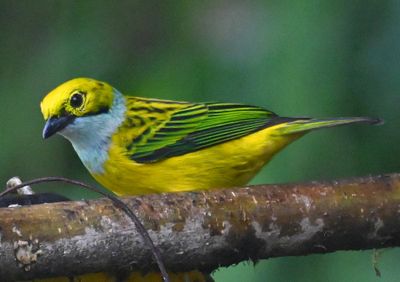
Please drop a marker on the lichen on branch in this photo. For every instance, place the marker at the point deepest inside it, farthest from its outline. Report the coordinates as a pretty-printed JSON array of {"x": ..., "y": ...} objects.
[{"x": 201, "y": 230}]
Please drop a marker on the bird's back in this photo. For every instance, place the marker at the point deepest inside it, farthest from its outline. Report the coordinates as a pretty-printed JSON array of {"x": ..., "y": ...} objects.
[{"x": 166, "y": 146}]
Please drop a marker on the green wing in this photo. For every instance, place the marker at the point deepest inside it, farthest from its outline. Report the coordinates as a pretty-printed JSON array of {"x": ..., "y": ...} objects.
[{"x": 199, "y": 126}]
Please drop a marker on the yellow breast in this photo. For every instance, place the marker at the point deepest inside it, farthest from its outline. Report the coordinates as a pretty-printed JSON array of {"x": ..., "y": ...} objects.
[{"x": 228, "y": 164}]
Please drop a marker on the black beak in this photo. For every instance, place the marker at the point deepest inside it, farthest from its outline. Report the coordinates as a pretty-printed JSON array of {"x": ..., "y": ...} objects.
[{"x": 55, "y": 124}]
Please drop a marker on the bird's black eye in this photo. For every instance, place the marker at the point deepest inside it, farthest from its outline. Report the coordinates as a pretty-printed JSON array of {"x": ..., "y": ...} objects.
[{"x": 76, "y": 100}]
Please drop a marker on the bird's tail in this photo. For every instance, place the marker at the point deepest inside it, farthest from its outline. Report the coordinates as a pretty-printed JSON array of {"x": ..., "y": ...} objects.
[{"x": 302, "y": 125}]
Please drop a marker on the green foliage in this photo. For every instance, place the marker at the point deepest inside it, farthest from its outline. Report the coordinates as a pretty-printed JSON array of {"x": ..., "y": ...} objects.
[{"x": 296, "y": 58}]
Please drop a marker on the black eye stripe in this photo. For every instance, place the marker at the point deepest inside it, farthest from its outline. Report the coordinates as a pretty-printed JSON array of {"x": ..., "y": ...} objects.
[{"x": 76, "y": 100}]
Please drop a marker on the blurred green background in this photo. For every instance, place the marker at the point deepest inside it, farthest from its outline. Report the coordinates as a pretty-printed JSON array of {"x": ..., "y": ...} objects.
[{"x": 300, "y": 58}]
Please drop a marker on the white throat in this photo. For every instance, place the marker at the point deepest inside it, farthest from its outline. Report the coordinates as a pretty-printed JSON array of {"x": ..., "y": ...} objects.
[{"x": 91, "y": 135}]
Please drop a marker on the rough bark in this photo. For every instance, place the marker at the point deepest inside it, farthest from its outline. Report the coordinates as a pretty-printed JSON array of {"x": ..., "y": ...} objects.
[{"x": 202, "y": 230}]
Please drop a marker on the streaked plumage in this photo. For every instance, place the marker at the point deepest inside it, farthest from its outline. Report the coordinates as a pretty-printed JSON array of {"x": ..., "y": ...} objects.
[{"x": 135, "y": 145}]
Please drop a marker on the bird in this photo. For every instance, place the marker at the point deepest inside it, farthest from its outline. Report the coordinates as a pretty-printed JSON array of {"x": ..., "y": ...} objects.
[{"x": 135, "y": 146}]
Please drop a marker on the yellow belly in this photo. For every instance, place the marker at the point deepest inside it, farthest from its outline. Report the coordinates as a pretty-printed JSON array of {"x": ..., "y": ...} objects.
[{"x": 228, "y": 164}]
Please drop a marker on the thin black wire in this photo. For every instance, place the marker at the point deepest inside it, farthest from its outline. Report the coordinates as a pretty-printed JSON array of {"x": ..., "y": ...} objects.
[{"x": 116, "y": 201}]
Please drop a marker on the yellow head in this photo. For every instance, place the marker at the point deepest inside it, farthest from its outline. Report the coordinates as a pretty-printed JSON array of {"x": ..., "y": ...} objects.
[{"x": 79, "y": 97}]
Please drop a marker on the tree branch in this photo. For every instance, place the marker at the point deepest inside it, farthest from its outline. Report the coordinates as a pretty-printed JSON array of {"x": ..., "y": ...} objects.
[{"x": 201, "y": 230}]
